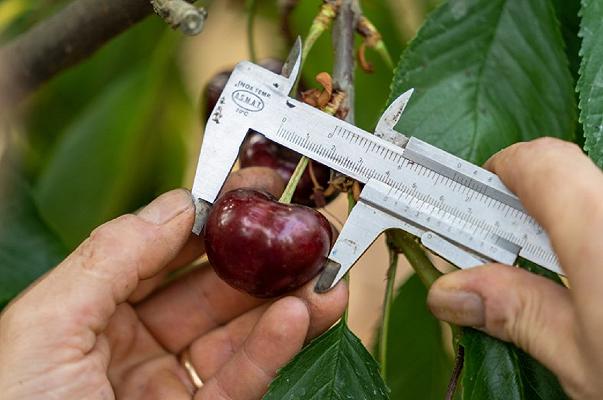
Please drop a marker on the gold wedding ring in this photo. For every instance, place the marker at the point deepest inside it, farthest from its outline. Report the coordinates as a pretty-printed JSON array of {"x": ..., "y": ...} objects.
[{"x": 185, "y": 360}]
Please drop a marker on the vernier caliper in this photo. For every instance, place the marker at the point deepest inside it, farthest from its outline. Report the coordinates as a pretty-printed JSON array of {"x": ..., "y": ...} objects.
[{"x": 459, "y": 211}]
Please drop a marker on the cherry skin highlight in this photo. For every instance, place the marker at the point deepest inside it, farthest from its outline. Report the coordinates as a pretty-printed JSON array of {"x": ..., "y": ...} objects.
[{"x": 264, "y": 247}]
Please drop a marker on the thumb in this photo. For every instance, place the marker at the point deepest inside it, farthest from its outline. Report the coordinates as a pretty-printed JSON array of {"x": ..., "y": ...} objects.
[{"x": 514, "y": 305}]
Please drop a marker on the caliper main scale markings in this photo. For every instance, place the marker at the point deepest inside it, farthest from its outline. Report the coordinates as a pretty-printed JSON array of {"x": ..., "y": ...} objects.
[{"x": 458, "y": 210}]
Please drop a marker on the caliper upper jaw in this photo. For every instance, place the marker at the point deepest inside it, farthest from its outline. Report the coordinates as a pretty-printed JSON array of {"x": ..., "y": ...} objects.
[
  {"x": 386, "y": 126},
  {"x": 292, "y": 66}
]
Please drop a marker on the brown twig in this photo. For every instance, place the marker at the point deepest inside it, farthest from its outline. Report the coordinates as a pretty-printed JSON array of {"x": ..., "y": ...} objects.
[
  {"x": 68, "y": 37},
  {"x": 345, "y": 61},
  {"x": 456, "y": 373},
  {"x": 63, "y": 40},
  {"x": 343, "y": 43}
]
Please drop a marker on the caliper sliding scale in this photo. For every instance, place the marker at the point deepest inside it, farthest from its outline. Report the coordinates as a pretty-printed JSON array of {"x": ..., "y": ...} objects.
[{"x": 459, "y": 211}]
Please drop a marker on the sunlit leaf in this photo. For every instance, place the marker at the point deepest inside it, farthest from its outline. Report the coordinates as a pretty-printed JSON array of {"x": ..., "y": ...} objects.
[
  {"x": 487, "y": 73},
  {"x": 110, "y": 160},
  {"x": 334, "y": 366}
]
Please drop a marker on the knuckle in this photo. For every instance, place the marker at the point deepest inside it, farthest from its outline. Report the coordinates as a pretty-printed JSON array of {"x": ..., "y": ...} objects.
[
  {"x": 525, "y": 151},
  {"x": 111, "y": 235},
  {"x": 120, "y": 239},
  {"x": 110, "y": 231}
]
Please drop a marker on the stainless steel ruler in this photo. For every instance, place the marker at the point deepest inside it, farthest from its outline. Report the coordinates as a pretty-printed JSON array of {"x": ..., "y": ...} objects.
[{"x": 459, "y": 211}]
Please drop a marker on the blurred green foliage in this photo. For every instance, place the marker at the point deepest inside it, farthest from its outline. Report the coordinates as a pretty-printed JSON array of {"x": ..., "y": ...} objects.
[
  {"x": 28, "y": 248},
  {"x": 418, "y": 363},
  {"x": 105, "y": 160},
  {"x": 101, "y": 139}
]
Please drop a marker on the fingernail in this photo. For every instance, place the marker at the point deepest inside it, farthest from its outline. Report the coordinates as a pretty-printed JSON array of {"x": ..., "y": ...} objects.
[
  {"x": 167, "y": 206},
  {"x": 457, "y": 306}
]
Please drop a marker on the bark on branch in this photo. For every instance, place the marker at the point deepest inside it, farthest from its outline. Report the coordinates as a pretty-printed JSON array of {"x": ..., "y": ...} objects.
[
  {"x": 345, "y": 61},
  {"x": 63, "y": 40},
  {"x": 75, "y": 33}
]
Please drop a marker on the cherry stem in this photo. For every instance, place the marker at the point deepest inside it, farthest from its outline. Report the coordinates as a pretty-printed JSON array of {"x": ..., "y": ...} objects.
[
  {"x": 346, "y": 278},
  {"x": 346, "y": 312},
  {"x": 387, "y": 303},
  {"x": 321, "y": 22},
  {"x": 294, "y": 180},
  {"x": 381, "y": 49},
  {"x": 424, "y": 268},
  {"x": 330, "y": 109},
  {"x": 251, "y": 11},
  {"x": 407, "y": 244}
]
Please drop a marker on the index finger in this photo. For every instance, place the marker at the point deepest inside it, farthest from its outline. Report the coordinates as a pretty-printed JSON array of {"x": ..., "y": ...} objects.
[{"x": 563, "y": 190}]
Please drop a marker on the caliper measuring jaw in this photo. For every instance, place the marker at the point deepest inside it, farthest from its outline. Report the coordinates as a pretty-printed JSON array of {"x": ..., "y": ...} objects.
[
  {"x": 368, "y": 219},
  {"x": 229, "y": 123},
  {"x": 447, "y": 227}
]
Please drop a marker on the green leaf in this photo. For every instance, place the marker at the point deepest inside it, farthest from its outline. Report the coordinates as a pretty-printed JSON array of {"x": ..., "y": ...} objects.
[
  {"x": 114, "y": 157},
  {"x": 47, "y": 118},
  {"x": 496, "y": 370},
  {"x": 491, "y": 364},
  {"x": 567, "y": 14},
  {"x": 419, "y": 365},
  {"x": 27, "y": 246},
  {"x": 487, "y": 73},
  {"x": 93, "y": 171},
  {"x": 590, "y": 84},
  {"x": 334, "y": 366}
]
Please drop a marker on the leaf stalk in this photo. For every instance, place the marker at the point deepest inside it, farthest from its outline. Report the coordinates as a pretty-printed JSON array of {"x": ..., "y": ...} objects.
[{"x": 387, "y": 304}]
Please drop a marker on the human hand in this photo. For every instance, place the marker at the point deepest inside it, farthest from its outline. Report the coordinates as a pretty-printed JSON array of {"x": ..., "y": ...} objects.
[
  {"x": 99, "y": 326},
  {"x": 562, "y": 328}
]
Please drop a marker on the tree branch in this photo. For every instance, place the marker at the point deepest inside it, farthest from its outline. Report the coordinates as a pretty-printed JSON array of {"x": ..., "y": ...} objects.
[
  {"x": 70, "y": 36},
  {"x": 63, "y": 40},
  {"x": 345, "y": 61}
]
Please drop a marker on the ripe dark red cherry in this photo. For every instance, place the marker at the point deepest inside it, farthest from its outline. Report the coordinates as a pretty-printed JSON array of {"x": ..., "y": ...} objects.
[
  {"x": 264, "y": 247},
  {"x": 260, "y": 152}
]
